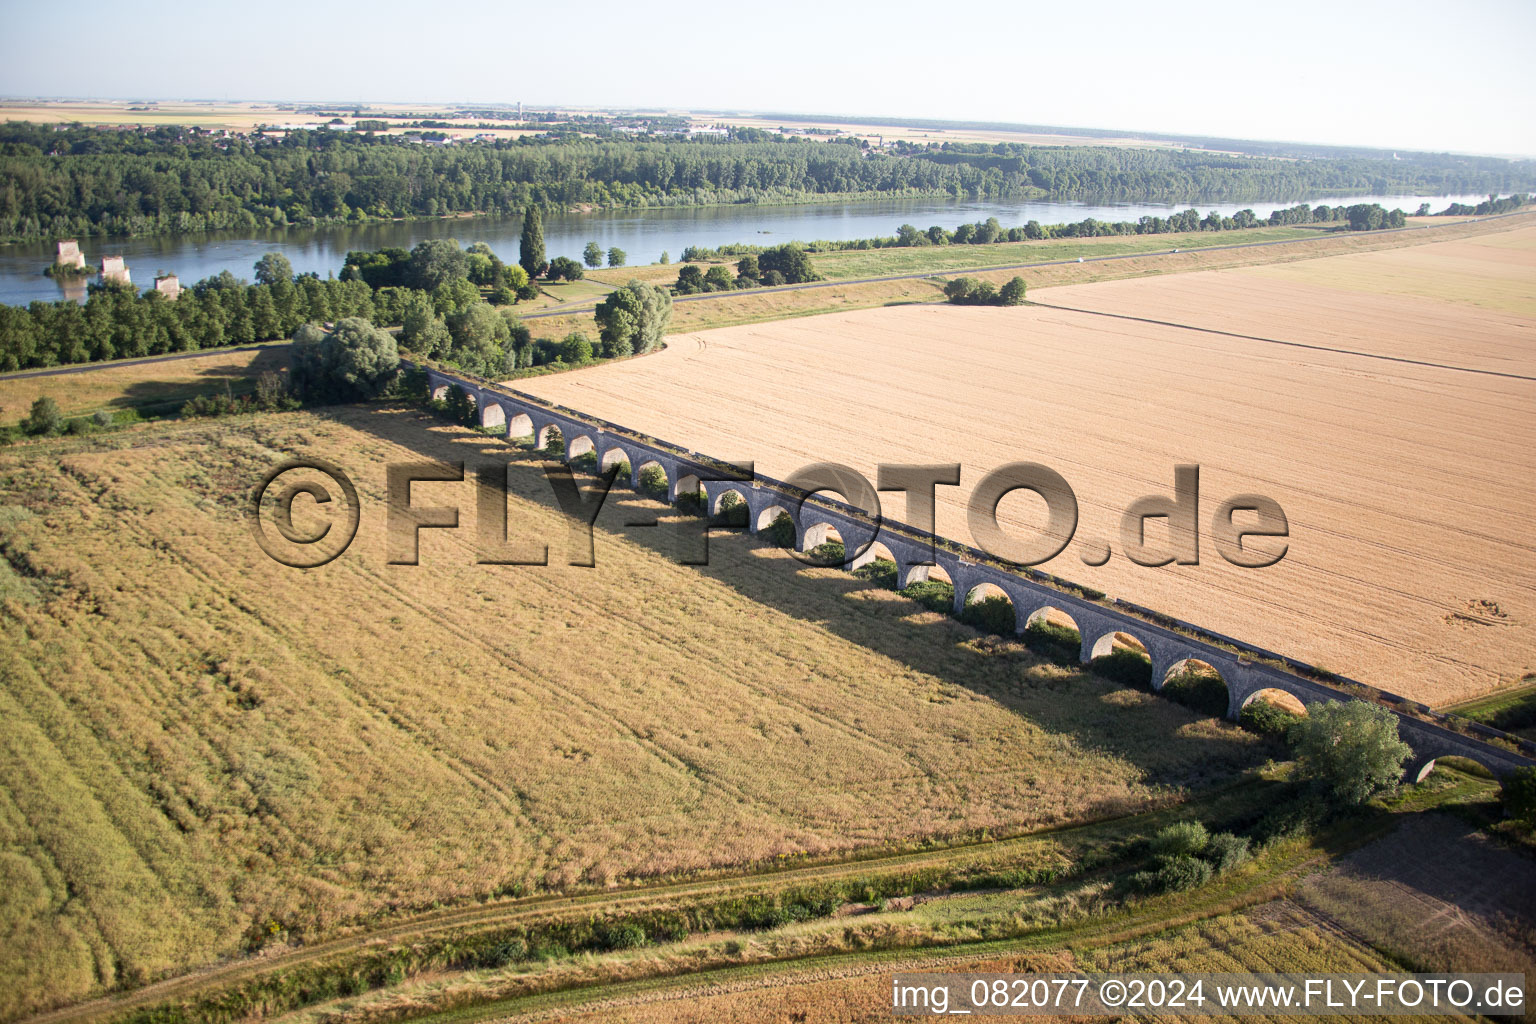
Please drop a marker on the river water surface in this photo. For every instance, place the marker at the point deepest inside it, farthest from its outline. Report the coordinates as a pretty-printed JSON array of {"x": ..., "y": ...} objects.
[{"x": 643, "y": 234}]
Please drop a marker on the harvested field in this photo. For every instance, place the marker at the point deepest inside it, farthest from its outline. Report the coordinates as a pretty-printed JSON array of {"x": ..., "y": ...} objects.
[
  {"x": 1437, "y": 896},
  {"x": 1406, "y": 485},
  {"x": 201, "y": 756}
]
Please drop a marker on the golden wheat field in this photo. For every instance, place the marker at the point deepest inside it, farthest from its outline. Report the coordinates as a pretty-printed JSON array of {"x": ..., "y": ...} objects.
[
  {"x": 1405, "y": 476},
  {"x": 206, "y": 751}
]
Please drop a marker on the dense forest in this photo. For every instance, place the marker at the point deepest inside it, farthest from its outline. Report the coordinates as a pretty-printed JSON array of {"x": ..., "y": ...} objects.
[{"x": 78, "y": 181}]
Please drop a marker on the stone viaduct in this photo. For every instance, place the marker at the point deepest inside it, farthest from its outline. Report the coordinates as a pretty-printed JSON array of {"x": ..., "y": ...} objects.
[{"x": 1246, "y": 670}]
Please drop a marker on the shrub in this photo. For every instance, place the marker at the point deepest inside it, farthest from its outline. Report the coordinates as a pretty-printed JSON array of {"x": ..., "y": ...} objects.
[
  {"x": 1182, "y": 872},
  {"x": 1290, "y": 820},
  {"x": 733, "y": 511},
  {"x": 624, "y": 936},
  {"x": 503, "y": 953},
  {"x": 1058, "y": 643},
  {"x": 881, "y": 571},
  {"x": 991, "y": 615},
  {"x": 781, "y": 532},
  {"x": 44, "y": 419},
  {"x": 1267, "y": 718},
  {"x": 102, "y": 418},
  {"x": 1126, "y": 667},
  {"x": 458, "y": 407},
  {"x": 653, "y": 481},
  {"x": 1520, "y": 795},
  {"x": 79, "y": 425},
  {"x": 1203, "y": 692},
  {"x": 218, "y": 404},
  {"x": 1226, "y": 851},
  {"x": 829, "y": 553},
  {"x": 935, "y": 595},
  {"x": 1181, "y": 839}
]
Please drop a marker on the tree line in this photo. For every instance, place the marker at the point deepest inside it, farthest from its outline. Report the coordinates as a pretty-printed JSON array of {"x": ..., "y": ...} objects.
[
  {"x": 1361, "y": 216},
  {"x": 80, "y": 181},
  {"x": 436, "y": 293}
]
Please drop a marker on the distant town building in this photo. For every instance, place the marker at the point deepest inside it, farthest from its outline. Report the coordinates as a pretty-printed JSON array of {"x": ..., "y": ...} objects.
[
  {"x": 115, "y": 270},
  {"x": 168, "y": 286},
  {"x": 70, "y": 255}
]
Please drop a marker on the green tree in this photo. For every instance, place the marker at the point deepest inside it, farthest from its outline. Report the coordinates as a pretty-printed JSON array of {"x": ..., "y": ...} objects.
[
  {"x": 516, "y": 277},
  {"x": 592, "y": 255},
  {"x": 792, "y": 261},
  {"x": 436, "y": 262},
  {"x": 748, "y": 273},
  {"x": 44, "y": 419},
  {"x": 355, "y": 361},
  {"x": 616, "y": 256},
  {"x": 690, "y": 280},
  {"x": 576, "y": 349},
  {"x": 561, "y": 268},
  {"x": 480, "y": 341},
  {"x": 530, "y": 250},
  {"x": 719, "y": 279},
  {"x": 1349, "y": 750},
  {"x": 666, "y": 257},
  {"x": 632, "y": 319},
  {"x": 1012, "y": 293},
  {"x": 274, "y": 268},
  {"x": 961, "y": 290},
  {"x": 480, "y": 268},
  {"x": 452, "y": 296},
  {"x": 421, "y": 329}
]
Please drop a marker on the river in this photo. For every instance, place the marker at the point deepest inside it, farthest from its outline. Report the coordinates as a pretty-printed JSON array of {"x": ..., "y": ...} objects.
[{"x": 643, "y": 234}]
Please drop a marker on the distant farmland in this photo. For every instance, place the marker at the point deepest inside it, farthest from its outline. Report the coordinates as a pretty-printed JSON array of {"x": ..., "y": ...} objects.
[
  {"x": 1410, "y": 564},
  {"x": 206, "y": 751}
]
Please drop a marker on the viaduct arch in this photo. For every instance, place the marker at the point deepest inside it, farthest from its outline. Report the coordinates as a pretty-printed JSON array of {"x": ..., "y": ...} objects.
[{"x": 1245, "y": 669}]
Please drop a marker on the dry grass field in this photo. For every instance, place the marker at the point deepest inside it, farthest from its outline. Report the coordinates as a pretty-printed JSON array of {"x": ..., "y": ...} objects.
[
  {"x": 162, "y": 384},
  {"x": 205, "y": 751},
  {"x": 1405, "y": 484},
  {"x": 1430, "y": 895}
]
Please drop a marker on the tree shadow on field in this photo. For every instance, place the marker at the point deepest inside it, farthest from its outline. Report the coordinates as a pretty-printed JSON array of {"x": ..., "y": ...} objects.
[
  {"x": 1169, "y": 744},
  {"x": 193, "y": 379}
]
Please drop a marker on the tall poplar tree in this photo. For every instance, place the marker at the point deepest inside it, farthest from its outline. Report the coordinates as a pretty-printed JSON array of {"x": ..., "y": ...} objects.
[{"x": 530, "y": 253}]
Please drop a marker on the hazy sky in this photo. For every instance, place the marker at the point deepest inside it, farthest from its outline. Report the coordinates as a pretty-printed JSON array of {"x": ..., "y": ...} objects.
[{"x": 1407, "y": 74}]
